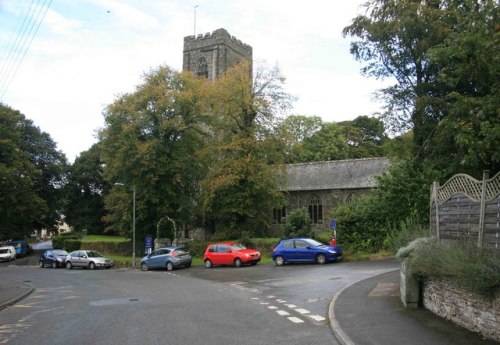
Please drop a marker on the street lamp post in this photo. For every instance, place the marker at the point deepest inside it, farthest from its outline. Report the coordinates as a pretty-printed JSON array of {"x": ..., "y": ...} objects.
[{"x": 133, "y": 221}]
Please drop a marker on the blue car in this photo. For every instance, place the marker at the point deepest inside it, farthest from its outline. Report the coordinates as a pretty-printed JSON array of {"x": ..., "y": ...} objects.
[
  {"x": 167, "y": 257},
  {"x": 304, "y": 250}
]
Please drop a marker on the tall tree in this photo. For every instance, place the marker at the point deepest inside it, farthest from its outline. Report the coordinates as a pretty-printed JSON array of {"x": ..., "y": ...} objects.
[
  {"x": 365, "y": 137},
  {"x": 328, "y": 144},
  {"x": 149, "y": 144},
  {"x": 294, "y": 130},
  {"x": 443, "y": 56},
  {"x": 240, "y": 188},
  {"x": 394, "y": 39},
  {"x": 32, "y": 173},
  {"x": 85, "y": 191}
]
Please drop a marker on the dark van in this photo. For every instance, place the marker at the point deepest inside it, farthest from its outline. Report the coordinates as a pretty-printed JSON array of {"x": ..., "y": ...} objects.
[{"x": 22, "y": 247}]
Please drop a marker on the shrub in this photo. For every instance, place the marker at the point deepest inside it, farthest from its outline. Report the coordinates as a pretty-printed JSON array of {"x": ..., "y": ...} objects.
[
  {"x": 474, "y": 268},
  {"x": 297, "y": 224},
  {"x": 72, "y": 245}
]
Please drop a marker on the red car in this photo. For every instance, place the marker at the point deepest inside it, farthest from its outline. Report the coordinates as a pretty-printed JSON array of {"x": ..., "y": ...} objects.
[{"x": 230, "y": 253}]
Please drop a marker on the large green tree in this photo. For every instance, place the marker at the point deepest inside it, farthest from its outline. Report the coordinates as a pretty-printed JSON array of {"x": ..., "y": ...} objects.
[
  {"x": 443, "y": 56},
  {"x": 85, "y": 191},
  {"x": 149, "y": 144},
  {"x": 32, "y": 172},
  {"x": 240, "y": 188}
]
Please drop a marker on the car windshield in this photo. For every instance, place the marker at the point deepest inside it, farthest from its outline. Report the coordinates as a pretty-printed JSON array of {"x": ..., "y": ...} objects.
[
  {"x": 60, "y": 253},
  {"x": 238, "y": 247},
  {"x": 94, "y": 255},
  {"x": 315, "y": 243},
  {"x": 3, "y": 251}
]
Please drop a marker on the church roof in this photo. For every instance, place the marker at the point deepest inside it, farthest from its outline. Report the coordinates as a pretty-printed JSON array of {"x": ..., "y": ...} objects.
[{"x": 343, "y": 174}]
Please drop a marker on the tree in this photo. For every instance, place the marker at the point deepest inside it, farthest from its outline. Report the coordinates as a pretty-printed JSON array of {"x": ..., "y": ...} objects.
[
  {"x": 294, "y": 130},
  {"x": 394, "y": 39},
  {"x": 468, "y": 137},
  {"x": 150, "y": 143},
  {"x": 443, "y": 56},
  {"x": 327, "y": 144},
  {"x": 53, "y": 167},
  {"x": 241, "y": 184},
  {"x": 85, "y": 191},
  {"x": 364, "y": 137},
  {"x": 32, "y": 173}
]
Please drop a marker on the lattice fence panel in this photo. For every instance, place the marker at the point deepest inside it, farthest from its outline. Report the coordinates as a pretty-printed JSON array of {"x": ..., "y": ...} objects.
[{"x": 459, "y": 212}]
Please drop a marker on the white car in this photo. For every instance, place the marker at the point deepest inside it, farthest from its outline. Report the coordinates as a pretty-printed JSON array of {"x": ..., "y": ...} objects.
[
  {"x": 7, "y": 253},
  {"x": 87, "y": 258}
]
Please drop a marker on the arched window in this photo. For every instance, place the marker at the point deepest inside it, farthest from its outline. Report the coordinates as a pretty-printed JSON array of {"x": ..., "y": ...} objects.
[
  {"x": 202, "y": 69},
  {"x": 279, "y": 215},
  {"x": 315, "y": 210}
]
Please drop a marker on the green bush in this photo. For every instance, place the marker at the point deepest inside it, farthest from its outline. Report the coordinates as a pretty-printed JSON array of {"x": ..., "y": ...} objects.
[
  {"x": 72, "y": 245},
  {"x": 474, "y": 268},
  {"x": 297, "y": 224},
  {"x": 58, "y": 242}
]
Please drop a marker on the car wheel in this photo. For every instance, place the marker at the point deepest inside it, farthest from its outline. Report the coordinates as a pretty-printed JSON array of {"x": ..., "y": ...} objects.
[
  {"x": 170, "y": 266},
  {"x": 92, "y": 266},
  {"x": 208, "y": 263},
  {"x": 279, "y": 260},
  {"x": 41, "y": 264},
  {"x": 69, "y": 265},
  {"x": 321, "y": 259},
  {"x": 238, "y": 262},
  {"x": 54, "y": 265}
]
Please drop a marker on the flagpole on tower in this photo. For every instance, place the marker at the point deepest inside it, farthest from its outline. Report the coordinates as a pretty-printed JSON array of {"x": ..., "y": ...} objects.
[{"x": 195, "y": 20}]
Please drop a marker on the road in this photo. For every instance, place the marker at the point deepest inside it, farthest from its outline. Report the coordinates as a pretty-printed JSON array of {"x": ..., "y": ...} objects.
[{"x": 264, "y": 304}]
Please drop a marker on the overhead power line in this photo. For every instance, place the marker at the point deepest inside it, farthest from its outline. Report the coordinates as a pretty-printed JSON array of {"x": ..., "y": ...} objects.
[{"x": 27, "y": 31}]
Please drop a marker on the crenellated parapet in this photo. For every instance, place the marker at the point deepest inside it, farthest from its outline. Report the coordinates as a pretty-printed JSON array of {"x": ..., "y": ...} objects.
[{"x": 211, "y": 54}]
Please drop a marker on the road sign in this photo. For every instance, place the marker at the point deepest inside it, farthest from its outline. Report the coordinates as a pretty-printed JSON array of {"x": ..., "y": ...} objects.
[{"x": 333, "y": 224}]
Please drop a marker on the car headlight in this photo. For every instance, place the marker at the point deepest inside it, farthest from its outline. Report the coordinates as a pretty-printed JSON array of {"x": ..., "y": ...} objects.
[
  {"x": 59, "y": 259},
  {"x": 332, "y": 251}
]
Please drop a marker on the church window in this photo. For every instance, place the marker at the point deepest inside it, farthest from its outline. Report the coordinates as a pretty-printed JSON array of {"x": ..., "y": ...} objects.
[
  {"x": 202, "y": 69},
  {"x": 315, "y": 210},
  {"x": 279, "y": 215}
]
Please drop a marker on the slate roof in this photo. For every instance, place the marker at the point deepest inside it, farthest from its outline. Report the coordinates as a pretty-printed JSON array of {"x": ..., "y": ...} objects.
[{"x": 343, "y": 174}]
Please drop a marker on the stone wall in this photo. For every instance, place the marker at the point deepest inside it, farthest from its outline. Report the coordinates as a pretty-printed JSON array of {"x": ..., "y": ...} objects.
[{"x": 476, "y": 313}]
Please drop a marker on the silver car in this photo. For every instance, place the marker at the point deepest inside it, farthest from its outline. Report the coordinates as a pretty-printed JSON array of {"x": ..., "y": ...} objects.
[{"x": 87, "y": 258}]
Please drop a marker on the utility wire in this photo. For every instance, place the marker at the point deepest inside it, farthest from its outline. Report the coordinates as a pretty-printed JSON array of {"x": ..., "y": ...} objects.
[{"x": 40, "y": 15}]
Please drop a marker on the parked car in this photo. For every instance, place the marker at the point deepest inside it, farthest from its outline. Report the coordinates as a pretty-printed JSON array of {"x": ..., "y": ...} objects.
[
  {"x": 87, "y": 258},
  {"x": 230, "y": 253},
  {"x": 167, "y": 257},
  {"x": 53, "y": 258},
  {"x": 7, "y": 253},
  {"x": 304, "y": 250},
  {"x": 22, "y": 247}
]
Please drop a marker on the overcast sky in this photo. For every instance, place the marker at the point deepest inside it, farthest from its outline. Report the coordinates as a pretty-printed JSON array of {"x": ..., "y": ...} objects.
[{"x": 87, "y": 52}]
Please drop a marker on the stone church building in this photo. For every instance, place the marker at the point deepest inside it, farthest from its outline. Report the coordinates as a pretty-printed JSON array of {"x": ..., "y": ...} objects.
[{"x": 318, "y": 186}]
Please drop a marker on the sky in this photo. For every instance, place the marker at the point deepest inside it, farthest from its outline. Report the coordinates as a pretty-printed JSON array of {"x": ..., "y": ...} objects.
[{"x": 85, "y": 53}]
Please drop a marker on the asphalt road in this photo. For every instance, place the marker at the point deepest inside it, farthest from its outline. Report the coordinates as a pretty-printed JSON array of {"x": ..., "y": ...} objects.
[{"x": 264, "y": 304}]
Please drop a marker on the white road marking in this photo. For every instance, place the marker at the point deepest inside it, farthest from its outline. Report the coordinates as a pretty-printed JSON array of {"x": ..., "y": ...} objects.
[
  {"x": 280, "y": 301},
  {"x": 291, "y": 306},
  {"x": 282, "y": 312},
  {"x": 317, "y": 317},
  {"x": 255, "y": 297},
  {"x": 272, "y": 307},
  {"x": 270, "y": 296},
  {"x": 264, "y": 303},
  {"x": 295, "y": 319},
  {"x": 302, "y": 311}
]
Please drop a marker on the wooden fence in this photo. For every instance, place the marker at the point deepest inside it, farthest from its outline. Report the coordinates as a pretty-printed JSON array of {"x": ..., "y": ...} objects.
[{"x": 465, "y": 209}]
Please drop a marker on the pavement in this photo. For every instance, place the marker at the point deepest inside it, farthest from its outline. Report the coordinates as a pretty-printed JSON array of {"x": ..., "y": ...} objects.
[{"x": 367, "y": 312}]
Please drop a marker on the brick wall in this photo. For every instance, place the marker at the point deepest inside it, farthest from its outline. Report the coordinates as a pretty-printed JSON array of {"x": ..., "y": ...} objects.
[{"x": 476, "y": 313}]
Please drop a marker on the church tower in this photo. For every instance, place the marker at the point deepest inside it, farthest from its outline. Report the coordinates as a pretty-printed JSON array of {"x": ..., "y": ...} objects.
[{"x": 210, "y": 55}]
